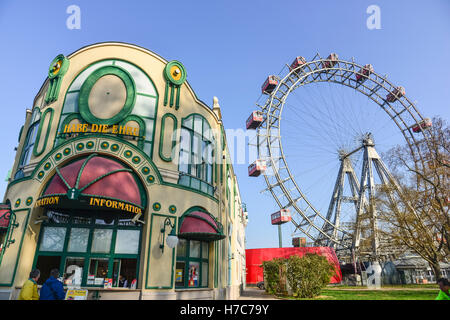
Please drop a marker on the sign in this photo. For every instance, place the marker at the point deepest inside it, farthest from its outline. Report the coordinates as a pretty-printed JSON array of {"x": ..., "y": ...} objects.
[
  {"x": 179, "y": 275},
  {"x": 93, "y": 201},
  {"x": 193, "y": 276},
  {"x": 101, "y": 128},
  {"x": 76, "y": 294},
  {"x": 107, "y": 284},
  {"x": 114, "y": 204},
  {"x": 47, "y": 201},
  {"x": 91, "y": 279}
]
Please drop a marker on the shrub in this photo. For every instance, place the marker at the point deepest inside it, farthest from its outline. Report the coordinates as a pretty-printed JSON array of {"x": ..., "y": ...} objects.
[
  {"x": 307, "y": 275},
  {"x": 274, "y": 273}
]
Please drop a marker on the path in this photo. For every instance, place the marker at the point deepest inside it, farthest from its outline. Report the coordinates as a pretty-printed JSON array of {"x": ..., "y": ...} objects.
[{"x": 252, "y": 293}]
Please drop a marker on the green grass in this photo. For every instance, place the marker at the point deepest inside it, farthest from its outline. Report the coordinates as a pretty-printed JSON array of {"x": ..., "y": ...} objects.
[
  {"x": 395, "y": 286},
  {"x": 381, "y": 294}
]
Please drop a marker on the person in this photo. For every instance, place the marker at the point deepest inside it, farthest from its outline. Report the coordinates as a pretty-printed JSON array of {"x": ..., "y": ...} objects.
[
  {"x": 52, "y": 289},
  {"x": 123, "y": 282},
  {"x": 444, "y": 286},
  {"x": 30, "y": 289}
]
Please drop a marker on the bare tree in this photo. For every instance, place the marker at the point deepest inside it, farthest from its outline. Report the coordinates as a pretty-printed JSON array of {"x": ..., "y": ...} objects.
[{"x": 413, "y": 210}]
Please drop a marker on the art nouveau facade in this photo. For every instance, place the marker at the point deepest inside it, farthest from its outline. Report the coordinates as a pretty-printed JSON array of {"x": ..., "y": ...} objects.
[{"x": 116, "y": 154}]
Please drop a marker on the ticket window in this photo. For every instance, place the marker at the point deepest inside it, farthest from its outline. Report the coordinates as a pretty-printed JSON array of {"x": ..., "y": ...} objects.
[
  {"x": 93, "y": 248},
  {"x": 98, "y": 271},
  {"x": 45, "y": 264},
  {"x": 124, "y": 273}
]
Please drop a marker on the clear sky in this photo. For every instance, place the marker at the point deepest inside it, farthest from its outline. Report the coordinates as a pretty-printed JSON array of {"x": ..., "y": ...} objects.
[{"x": 228, "y": 48}]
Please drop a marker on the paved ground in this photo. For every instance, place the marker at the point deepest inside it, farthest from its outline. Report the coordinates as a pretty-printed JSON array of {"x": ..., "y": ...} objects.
[{"x": 251, "y": 293}]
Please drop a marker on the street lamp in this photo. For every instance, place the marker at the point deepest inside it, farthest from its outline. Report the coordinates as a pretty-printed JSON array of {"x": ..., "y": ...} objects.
[{"x": 172, "y": 239}]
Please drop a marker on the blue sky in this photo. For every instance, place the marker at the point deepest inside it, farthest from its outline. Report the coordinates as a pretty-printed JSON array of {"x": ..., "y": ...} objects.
[{"x": 228, "y": 48}]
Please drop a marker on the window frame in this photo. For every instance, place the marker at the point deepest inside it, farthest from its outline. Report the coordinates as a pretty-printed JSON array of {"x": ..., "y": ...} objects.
[
  {"x": 186, "y": 258},
  {"x": 28, "y": 146},
  {"x": 200, "y": 168},
  {"x": 88, "y": 255}
]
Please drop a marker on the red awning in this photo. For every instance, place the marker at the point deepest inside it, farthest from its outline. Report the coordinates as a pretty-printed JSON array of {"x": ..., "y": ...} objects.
[
  {"x": 198, "y": 225},
  {"x": 5, "y": 216},
  {"x": 97, "y": 181}
]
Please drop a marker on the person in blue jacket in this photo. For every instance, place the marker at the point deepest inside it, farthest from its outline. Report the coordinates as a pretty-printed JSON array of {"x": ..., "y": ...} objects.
[{"x": 52, "y": 289}]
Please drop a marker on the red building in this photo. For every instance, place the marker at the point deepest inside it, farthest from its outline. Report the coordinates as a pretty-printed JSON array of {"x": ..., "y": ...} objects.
[{"x": 255, "y": 258}]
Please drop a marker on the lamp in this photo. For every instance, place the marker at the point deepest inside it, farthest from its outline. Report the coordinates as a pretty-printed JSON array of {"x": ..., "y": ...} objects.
[{"x": 172, "y": 239}]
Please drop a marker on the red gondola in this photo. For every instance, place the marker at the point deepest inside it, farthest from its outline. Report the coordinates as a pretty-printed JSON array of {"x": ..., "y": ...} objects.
[
  {"x": 299, "y": 242},
  {"x": 397, "y": 93},
  {"x": 331, "y": 61},
  {"x": 299, "y": 61},
  {"x": 269, "y": 85},
  {"x": 424, "y": 124},
  {"x": 281, "y": 217},
  {"x": 256, "y": 168},
  {"x": 255, "y": 119},
  {"x": 364, "y": 73}
]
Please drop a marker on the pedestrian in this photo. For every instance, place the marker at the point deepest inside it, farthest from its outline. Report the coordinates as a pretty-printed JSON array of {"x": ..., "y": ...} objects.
[
  {"x": 30, "y": 289},
  {"x": 444, "y": 286},
  {"x": 52, "y": 289}
]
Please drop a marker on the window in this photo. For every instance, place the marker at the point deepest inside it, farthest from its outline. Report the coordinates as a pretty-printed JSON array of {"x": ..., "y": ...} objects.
[
  {"x": 89, "y": 249},
  {"x": 192, "y": 264},
  {"x": 28, "y": 146},
  {"x": 142, "y": 115},
  {"x": 196, "y": 154}
]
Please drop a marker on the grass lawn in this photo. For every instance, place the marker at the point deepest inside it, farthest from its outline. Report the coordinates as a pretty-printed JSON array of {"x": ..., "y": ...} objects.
[
  {"x": 389, "y": 292},
  {"x": 390, "y": 286},
  {"x": 382, "y": 294}
]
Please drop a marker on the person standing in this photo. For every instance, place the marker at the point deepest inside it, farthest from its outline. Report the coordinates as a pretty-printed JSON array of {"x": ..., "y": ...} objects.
[
  {"x": 29, "y": 289},
  {"x": 52, "y": 289},
  {"x": 444, "y": 286}
]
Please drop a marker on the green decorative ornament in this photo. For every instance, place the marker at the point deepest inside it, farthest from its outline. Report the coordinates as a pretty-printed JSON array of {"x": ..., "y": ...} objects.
[
  {"x": 128, "y": 154},
  {"x": 136, "y": 159},
  {"x": 107, "y": 96},
  {"x": 56, "y": 71},
  {"x": 175, "y": 75},
  {"x": 156, "y": 206}
]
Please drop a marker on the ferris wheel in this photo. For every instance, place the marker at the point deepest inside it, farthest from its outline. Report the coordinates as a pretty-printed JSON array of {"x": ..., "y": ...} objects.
[{"x": 319, "y": 125}]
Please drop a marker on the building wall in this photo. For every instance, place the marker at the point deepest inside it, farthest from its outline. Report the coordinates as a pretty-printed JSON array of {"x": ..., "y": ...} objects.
[{"x": 154, "y": 164}]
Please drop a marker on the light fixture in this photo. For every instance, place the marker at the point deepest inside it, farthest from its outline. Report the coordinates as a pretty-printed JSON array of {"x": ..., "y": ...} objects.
[{"x": 172, "y": 239}]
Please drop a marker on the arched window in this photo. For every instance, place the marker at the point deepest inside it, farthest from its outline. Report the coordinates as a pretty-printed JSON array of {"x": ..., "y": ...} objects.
[
  {"x": 196, "y": 154},
  {"x": 29, "y": 143}
]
